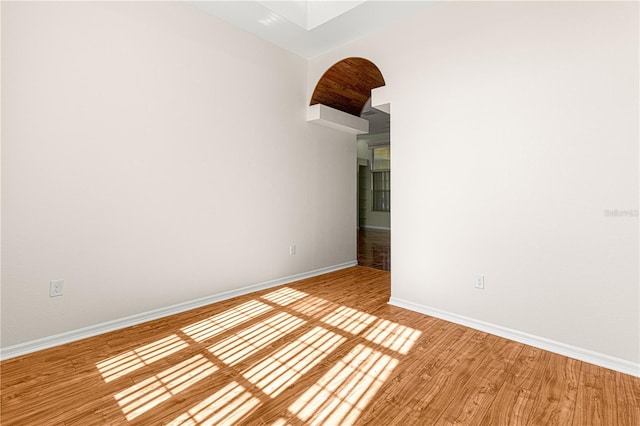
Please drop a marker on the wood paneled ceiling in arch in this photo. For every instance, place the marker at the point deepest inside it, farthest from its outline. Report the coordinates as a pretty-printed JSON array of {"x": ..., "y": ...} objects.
[{"x": 347, "y": 85}]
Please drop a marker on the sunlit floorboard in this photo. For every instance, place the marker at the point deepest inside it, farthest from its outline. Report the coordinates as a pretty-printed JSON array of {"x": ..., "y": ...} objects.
[{"x": 323, "y": 351}]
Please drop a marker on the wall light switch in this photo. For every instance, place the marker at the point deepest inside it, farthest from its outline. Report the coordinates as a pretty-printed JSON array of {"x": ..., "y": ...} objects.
[{"x": 480, "y": 281}]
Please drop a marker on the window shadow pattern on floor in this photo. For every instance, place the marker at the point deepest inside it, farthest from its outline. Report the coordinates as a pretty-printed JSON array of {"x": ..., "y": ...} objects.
[{"x": 331, "y": 358}]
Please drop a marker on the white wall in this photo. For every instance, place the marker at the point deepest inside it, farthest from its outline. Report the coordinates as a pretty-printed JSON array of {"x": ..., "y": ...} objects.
[
  {"x": 515, "y": 127},
  {"x": 152, "y": 155}
]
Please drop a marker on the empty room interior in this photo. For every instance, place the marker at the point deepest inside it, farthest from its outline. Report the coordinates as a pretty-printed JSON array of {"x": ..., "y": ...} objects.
[{"x": 320, "y": 213}]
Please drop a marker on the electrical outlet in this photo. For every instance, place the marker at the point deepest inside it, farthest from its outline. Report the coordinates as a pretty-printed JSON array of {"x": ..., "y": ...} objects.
[
  {"x": 480, "y": 281},
  {"x": 55, "y": 288},
  {"x": 292, "y": 250}
]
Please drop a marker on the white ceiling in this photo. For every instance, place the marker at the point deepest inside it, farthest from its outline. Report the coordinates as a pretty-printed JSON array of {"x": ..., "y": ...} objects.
[
  {"x": 310, "y": 14},
  {"x": 309, "y": 28}
]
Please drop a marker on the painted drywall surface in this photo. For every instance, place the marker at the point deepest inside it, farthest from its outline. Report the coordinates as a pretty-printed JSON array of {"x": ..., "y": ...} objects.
[
  {"x": 514, "y": 132},
  {"x": 153, "y": 155},
  {"x": 374, "y": 219}
]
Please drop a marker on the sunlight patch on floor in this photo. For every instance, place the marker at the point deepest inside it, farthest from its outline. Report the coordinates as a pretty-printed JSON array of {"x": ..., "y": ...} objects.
[
  {"x": 130, "y": 361},
  {"x": 392, "y": 335},
  {"x": 243, "y": 344},
  {"x": 276, "y": 372},
  {"x": 349, "y": 319},
  {"x": 313, "y": 306},
  {"x": 145, "y": 395},
  {"x": 285, "y": 296},
  {"x": 225, "y": 407},
  {"x": 253, "y": 333},
  {"x": 226, "y": 320},
  {"x": 343, "y": 392}
]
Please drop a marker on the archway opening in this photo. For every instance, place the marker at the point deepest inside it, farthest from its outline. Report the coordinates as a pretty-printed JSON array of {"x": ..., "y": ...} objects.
[{"x": 346, "y": 86}]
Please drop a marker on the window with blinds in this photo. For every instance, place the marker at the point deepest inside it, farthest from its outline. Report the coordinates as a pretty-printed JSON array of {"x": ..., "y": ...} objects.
[
  {"x": 381, "y": 159},
  {"x": 381, "y": 178}
]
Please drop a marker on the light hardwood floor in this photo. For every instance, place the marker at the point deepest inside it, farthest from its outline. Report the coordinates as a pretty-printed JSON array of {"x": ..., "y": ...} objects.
[
  {"x": 374, "y": 248},
  {"x": 327, "y": 350}
]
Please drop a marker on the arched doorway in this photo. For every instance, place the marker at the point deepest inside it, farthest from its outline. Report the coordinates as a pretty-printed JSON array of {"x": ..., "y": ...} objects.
[{"x": 347, "y": 86}]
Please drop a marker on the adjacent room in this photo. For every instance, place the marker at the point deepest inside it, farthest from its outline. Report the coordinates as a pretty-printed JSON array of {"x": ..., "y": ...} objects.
[{"x": 200, "y": 198}]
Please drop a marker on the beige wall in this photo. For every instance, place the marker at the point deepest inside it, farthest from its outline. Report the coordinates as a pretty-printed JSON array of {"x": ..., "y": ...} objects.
[
  {"x": 515, "y": 128},
  {"x": 152, "y": 155}
]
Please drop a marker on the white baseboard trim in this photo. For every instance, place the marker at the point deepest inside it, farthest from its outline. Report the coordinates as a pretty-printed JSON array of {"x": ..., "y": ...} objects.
[
  {"x": 94, "y": 330},
  {"x": 560, "y": 348},
  {"x": 375, "y": 227}
]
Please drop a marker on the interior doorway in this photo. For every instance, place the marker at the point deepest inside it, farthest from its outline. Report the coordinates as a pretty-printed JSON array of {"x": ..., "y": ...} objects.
[
  {"x": 374, "y": 190},
  {"x": 347, "y": 87}
]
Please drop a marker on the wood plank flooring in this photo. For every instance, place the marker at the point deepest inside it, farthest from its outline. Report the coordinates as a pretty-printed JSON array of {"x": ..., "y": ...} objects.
[
  {"x": 374, "y": 248},
  {"x": 328, "y": 351}
]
